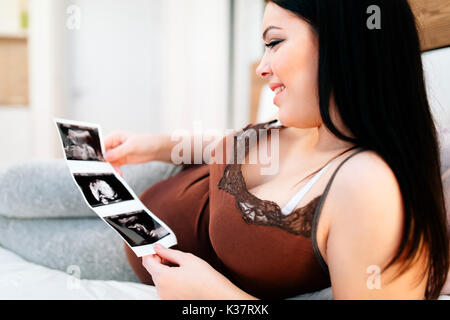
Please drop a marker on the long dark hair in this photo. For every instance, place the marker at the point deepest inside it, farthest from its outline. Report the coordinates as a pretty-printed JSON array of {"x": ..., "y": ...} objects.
[{"x": 376, "y": 77}]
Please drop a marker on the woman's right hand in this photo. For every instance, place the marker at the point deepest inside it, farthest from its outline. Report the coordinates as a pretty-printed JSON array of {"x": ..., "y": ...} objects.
[{"x": 124, "y": 147}]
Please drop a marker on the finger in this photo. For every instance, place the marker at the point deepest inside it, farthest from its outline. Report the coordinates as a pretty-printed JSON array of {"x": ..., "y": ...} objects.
[
  {"x": 169, "y": 264},
  {"x": 171, "y": 255},
  {"x": 157, "y": 258},
  {"x": 116, "y": 154},
  {"x": 153, "y": 264},
  {"x": 114, "y": 139}
]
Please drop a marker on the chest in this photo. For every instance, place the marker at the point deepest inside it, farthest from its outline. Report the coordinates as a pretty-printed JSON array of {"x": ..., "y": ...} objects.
[
  {"x": 277, "y": 171},
  {"x": 261, "y": 258}
]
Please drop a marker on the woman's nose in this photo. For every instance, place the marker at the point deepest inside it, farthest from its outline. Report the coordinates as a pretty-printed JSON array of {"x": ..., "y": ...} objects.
[{"x": 263, "y": 70}]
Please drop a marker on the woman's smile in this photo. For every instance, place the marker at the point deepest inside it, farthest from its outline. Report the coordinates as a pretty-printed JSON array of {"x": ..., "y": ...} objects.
[
  {"x": 278, "y": 93},
  {"x": 278, "y": 88}
]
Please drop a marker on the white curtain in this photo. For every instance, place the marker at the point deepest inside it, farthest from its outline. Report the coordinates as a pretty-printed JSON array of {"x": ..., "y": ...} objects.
[
  {"x": 248, "y": 48},
  {"x": 150, "y": 66}
]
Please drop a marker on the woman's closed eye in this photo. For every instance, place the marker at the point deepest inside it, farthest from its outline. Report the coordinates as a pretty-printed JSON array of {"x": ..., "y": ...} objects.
[{"x": 273, "y": 43}]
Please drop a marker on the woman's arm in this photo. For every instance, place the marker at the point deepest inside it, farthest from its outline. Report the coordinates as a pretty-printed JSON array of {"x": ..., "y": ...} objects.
[
  {"x": 124, "y": 147},
  {"x": 365, "y": 229},
  {"x": 172, "y": 148}
]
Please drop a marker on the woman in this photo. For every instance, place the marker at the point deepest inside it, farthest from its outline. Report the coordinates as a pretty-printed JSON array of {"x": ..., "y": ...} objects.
[{"x": 356, "y": 118}]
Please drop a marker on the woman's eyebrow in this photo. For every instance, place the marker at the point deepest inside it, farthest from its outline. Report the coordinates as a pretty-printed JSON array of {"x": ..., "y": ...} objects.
[{"x": 268, "y": 29}]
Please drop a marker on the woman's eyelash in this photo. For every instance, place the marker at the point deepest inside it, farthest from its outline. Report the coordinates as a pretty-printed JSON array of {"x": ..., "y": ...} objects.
[{"x": 273, "y": 43}]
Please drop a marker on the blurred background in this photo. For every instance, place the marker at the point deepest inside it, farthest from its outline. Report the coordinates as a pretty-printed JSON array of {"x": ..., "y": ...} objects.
[{"x": 142, "y": 65}]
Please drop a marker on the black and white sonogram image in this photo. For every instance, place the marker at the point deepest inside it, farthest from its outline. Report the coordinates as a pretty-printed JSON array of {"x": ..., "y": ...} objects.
[
  {"x": 102, "y": 189},
  {"x": 137, "y": 228},
  {"x": 80, "y": 142}
]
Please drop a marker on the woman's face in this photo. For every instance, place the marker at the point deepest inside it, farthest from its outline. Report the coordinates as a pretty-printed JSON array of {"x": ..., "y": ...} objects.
[{"x": 293, "y": 64}]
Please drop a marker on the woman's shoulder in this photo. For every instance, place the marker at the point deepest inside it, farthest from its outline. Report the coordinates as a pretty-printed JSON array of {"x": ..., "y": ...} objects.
[
  {"x": 365, "y": 203},
  {"x": 366, "y": 170},
  {"x": 365, "y": 229},
  {"x": 370, "y": 183}
]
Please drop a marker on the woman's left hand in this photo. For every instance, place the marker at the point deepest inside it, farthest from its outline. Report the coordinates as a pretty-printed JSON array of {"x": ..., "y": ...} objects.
[{"x": 192, "y": 279}]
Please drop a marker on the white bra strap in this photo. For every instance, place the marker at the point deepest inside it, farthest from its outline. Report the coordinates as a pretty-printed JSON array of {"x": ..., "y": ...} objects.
[{"x": 290, "y": 206}]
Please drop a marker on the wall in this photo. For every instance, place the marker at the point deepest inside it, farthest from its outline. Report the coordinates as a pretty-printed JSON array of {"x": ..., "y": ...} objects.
[
  {"x": 15, "y": 133},
  {"x": 149, "y": 66},
  {"x": 248, "y": 48},
  {"x": 28, "y": 132}
]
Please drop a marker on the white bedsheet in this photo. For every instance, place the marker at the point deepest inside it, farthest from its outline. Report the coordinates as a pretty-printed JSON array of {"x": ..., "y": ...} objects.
[
  {"x": 20, "y": 279},
  {"x": 23, "y": 280}
]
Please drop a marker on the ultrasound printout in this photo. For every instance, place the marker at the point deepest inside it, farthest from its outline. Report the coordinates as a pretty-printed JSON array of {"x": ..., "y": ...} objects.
[{"x": 106, "y": 192}]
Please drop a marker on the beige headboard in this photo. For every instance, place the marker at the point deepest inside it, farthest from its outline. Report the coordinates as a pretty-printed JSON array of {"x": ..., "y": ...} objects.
[{"x": 433, "y": 18}]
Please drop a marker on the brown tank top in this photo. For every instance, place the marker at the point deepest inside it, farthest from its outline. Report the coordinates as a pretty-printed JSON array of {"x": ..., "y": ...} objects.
[{"x": 214, "y": 216}]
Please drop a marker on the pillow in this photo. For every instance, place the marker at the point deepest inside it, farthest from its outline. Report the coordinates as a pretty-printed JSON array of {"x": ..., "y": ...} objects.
[
  {"x": 444, "y": 140},
  {"x": 45, "y": 188},
  {"x": 444, "y": 147},
  {"x": 446, "y": 187}
]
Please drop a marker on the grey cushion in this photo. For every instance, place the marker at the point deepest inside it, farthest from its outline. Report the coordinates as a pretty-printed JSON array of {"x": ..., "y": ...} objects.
[
  {"x": 45, "y": 189},
  {"x": 90, "y": 245}
]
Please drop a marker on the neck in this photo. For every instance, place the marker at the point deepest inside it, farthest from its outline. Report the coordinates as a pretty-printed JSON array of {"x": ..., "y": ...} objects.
[{"x": 326, "y": 142}]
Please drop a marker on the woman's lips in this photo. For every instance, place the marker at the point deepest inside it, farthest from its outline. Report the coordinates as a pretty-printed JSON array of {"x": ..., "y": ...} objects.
[{"x": 277, "y": 97}]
